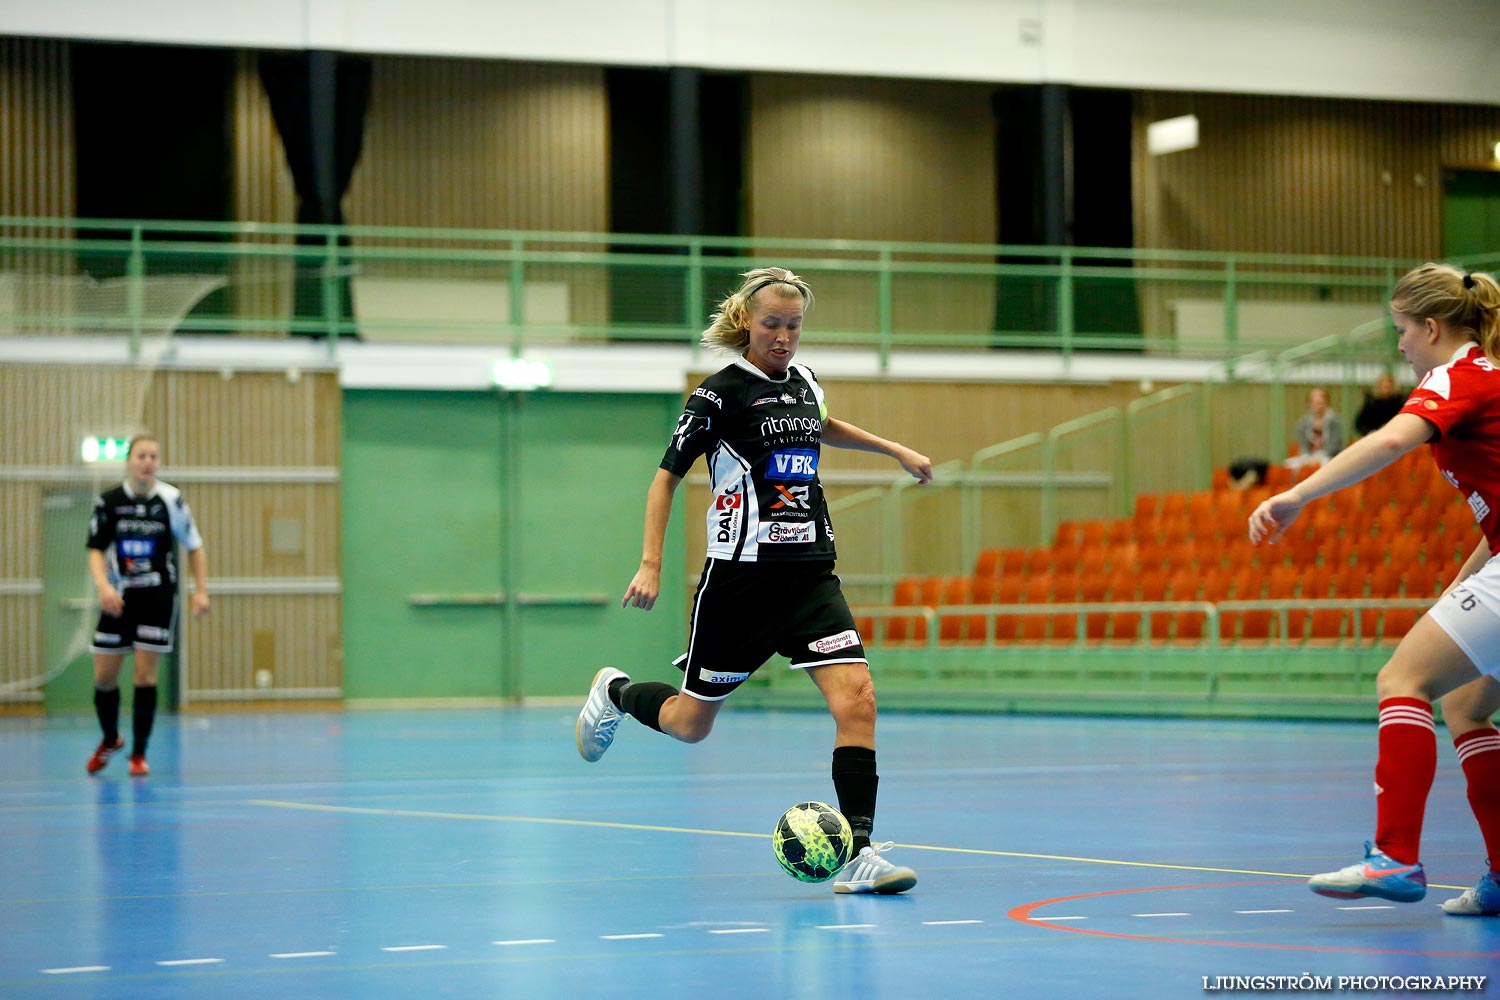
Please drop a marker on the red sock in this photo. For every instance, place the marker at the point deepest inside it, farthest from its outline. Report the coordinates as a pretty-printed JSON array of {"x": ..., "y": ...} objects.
[
  {"x": 1403, "y": 776},
  {"x": 1479, "y": 753}
]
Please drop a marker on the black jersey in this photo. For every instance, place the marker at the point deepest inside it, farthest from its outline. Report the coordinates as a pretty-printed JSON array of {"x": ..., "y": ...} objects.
[
  {"x": 138, "y": 535},
  {"x": 761, "y": 437}
]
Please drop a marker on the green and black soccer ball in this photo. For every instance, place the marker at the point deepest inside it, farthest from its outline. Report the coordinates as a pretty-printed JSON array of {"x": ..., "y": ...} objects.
[{"x": 813, "y": 842}]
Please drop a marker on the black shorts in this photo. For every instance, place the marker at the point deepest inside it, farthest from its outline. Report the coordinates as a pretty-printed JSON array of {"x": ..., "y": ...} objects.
[
  {"x": 743, "y": 613},
  {"x": 147, "y": 622}
]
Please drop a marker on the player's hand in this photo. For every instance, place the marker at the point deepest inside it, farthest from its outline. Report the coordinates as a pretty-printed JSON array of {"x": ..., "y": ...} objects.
[
  {"x": 1269, "y": 521},
  {"x": 919, "y": 465},
  {"x": 200, "y": 602},
  {"x": 110, "y": 602},
  {"x": 643, "y": 588}
]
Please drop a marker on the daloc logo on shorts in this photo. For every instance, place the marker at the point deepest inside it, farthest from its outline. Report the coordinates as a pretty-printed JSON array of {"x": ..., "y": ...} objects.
[{"x": 794, "y": 463}]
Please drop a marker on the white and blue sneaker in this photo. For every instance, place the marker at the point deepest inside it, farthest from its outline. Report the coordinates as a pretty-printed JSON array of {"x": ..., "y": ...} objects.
[
  {"x": 869, "y": 872},
  {"x": 1481, "y": 901},
  {"x": 1377, "y": 875},
  {"x": 600, "y": 718}
]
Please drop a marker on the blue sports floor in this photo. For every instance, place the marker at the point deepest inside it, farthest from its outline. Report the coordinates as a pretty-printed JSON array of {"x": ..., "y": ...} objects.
[{"x": 470, "y": 853}]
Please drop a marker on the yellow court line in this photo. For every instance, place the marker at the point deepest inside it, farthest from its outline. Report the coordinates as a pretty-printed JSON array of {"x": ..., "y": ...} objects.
[{"x": 491, "y": 818}]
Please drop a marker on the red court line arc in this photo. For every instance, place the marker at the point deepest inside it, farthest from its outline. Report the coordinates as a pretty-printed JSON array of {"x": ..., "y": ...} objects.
[{"x": 1023, "y": 912}]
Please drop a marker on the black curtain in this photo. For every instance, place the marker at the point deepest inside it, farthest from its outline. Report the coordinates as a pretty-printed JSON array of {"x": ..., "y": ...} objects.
[
  {"x": 1064, "y": 156},
  {"x": 319, "y": 101},
  {"x": 676, "y": 166}
]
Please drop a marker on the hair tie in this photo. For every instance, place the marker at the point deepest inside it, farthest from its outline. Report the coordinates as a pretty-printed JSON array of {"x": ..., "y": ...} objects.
[{"x": 1468, "y": 281}]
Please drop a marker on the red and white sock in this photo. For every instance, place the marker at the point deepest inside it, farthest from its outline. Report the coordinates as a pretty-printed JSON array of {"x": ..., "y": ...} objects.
[
  {"x": 1479, "y": 754},
  {"x": 1403, "y": 776}
]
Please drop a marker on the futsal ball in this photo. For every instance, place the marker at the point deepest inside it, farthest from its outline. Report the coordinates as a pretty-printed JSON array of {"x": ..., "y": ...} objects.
[{"x": 813, "y": 842}]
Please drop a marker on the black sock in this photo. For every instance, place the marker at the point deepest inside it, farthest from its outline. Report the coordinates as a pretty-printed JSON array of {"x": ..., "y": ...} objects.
[
  {"x": 107, "y": 708},
  {"x": 142, "y": 715},
  {"x": 644, "y": 699},
  {"x": 855, "y": 782}
]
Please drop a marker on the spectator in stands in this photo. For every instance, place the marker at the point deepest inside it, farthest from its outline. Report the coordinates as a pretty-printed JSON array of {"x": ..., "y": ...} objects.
[
  {"x": 1380, "y": 405},
  {"x": 1320, "y": 432},
  {"x": 1449, "y": 326}
]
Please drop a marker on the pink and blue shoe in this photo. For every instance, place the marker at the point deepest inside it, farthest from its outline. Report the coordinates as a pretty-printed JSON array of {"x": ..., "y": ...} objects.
[{"x": 1377, "y": 875}]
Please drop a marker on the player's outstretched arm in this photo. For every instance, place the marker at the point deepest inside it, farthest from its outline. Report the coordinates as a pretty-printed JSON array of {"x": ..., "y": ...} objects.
[
  {"x": 646, "y": 584},
  {"x": 842, "y": 434},
  {"x": 1359, "y": 461}
]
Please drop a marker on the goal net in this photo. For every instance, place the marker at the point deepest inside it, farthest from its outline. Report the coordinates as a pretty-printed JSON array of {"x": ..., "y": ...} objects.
[{"x": 70, "y": 387}]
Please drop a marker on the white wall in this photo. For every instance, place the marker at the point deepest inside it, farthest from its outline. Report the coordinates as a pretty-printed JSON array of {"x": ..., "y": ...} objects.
[{"x": 1438, "y": 50}]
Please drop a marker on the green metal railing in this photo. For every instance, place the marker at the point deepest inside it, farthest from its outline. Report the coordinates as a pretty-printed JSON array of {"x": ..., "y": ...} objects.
[
  {"x": 882, "y": 296},
  {"x": 1015, "y": 493}
]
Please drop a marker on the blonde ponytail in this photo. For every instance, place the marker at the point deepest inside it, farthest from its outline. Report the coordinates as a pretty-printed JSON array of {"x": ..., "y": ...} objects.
[{"x": 1469, "y": 302}]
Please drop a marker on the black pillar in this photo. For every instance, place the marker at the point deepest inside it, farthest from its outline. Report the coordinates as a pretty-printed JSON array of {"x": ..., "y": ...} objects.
[
  {"x": 685, "y": 151},
  {"x": 675, "y": 162},
  {"x": 1056, "y": 150},
  {"x": 1064, "y": 169}
]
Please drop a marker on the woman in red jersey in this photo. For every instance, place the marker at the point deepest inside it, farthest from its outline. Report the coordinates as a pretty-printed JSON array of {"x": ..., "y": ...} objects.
[{"x": 1449, "y": 326}]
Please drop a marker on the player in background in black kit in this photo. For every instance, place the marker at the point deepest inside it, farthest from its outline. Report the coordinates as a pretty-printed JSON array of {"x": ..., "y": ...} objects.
[
  {"x": 768, "y": 585},
  {"x": 132, "y": 558}
]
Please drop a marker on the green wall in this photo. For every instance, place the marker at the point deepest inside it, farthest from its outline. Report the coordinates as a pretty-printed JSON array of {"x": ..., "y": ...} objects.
[{"x": 541, "y": 497}]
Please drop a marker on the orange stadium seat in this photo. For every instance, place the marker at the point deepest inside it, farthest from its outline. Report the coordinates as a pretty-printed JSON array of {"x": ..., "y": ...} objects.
[{"x": 959, "y": 590}]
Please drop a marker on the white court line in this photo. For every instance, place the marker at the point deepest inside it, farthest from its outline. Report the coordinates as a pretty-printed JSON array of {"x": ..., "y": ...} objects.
[
  {"x": 415, "y": 947},
  {"x": 302, "y": 954},
  {"x": 76, "y": 968},
  {"x": 947, "y": 923},
  {"x": 527, "y": 941},
  {"x": 742, "y": 930},
  {"x": 844, "y": 927},
  {"x": 1059, "y": 918},
  {"x": 1263, "y": 911},
  {"x": 1377, "y": 906},
  {"x": 191, "y": 961},
  {"x": 627, "y": 937},
  {"x": 1161, "y": 914}
]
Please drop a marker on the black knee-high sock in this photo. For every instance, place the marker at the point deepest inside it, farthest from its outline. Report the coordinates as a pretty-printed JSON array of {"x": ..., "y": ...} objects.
[
  {"x": 107, "y": 708},
  {"x": 142, "y": 715},
  {"x": 643, "y": 699},
  {"x": 855, "y": 782}
]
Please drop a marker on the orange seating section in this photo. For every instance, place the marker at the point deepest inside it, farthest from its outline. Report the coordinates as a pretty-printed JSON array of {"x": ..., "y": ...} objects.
[{"x": 1402, "y": 534}]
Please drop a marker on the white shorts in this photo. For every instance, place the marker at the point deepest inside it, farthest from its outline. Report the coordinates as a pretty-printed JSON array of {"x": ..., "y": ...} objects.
[{"x": 1470, "y": 614}]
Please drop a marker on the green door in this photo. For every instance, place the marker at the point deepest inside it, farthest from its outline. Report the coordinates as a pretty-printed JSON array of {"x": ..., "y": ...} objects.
[
  {"x": 585, "y": 461},
  {"x": 488, "y": 538},
  {"x": 1471, "y": 213}
]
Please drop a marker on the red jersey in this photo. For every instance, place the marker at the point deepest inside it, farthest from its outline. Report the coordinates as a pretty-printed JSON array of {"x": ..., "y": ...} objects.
[{"x": 1462, "y": 400}]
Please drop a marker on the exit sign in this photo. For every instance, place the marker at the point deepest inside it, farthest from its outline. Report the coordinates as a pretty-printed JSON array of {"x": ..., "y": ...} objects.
[{"x": 104, "y": 449}]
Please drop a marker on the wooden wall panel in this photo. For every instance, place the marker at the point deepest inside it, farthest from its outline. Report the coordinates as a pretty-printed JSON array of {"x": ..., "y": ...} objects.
[
  {"x": 36, "y": 128},
  {"x": 21, "y": 650},
  {"x": 20, "y": 527},
  {"x": 843, "y": 158},
  {"x": 902, "y": 160},
  {"x": 253, "y": 529},
  {"x": 238, "y": 522},
  {"x": 483, "y": 145},
  {"x": 217, "y": 420},
  {"x": 1290, "y": 175},
  {"x": 262, "y": 191},
  {"x": 46, "y": 409},
  {"x": 296, "y": 638},
  {"x": 462, "y": 143}
]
